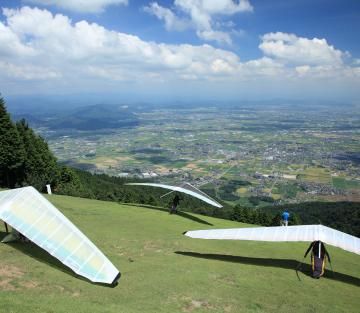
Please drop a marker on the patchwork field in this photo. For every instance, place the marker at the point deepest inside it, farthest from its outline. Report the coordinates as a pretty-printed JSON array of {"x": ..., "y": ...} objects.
[
  {"x": 315, "y": 150},
  {"x": 164, "y": 271}
]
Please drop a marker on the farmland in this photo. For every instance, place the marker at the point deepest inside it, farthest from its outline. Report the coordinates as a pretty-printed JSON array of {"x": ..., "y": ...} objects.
[{"x": 288, "y": 153}]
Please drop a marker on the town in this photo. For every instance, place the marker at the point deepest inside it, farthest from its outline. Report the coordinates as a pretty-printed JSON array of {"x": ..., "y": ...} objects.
[{"x": 275, "y": 153}]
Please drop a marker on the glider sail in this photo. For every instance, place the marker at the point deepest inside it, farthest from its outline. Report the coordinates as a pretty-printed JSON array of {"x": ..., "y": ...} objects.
[
  {"x": 184, "y": 188},
  {"x": 280, "y": 233},
  {"x": 27, "y": 211}
]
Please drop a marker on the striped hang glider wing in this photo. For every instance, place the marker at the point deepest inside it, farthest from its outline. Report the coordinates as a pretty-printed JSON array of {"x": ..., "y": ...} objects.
[
  {"x": 31, "y": 214},
  {"x": 280, "y": 233},
  {"x": 184, "y": 188}
]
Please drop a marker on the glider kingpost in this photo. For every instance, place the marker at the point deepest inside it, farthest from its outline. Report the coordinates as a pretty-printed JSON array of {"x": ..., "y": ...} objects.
[
  {"x": 33, "y": 216},
  {"x": 280, "y": 233},
  {"x": 184, "y": 188}
]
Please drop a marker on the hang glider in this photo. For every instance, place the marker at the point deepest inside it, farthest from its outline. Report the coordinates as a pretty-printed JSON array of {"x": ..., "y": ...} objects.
[
  {"x": 184, "y": 188},
  {"x": 33, "y": 216},
  {"x": 280, "y": 233}
]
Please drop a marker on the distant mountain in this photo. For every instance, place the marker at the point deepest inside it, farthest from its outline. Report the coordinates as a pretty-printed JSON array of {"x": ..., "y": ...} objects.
[
  {"x": 95, "y": 117},
  {"x": 90, "y": 117}
]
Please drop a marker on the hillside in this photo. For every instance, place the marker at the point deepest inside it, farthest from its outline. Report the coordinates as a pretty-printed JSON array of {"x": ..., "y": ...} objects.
[
  {"x": 83, "y": 118},
  {"x": 163, "y": 271},
  {"x": 94, "y": 117}
]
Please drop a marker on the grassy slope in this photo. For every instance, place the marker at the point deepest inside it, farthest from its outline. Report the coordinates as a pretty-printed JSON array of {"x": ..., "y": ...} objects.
[{"x": 235, "y": 277}]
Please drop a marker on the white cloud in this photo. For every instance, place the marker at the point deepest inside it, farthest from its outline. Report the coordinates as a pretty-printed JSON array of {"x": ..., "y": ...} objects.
[
  {"x": 84, "y": 6},
  {"x": 212, "y": 35},
  {"x": 172, "y": 22},
  {"x": 201, "y": 14},
  {"x": 36, "y": 45},
  {"x": 221, "y": 66},
  {"x": 263, "y": 67},
  {"x": 302, "y": 70},
  {"x": 210, "y": 7},
  {"x": 28, "y": 72},
  {"x": 55, "y": 40},
  {"x": 11, "y": 44},
  {"x": 298, "y": 50}
]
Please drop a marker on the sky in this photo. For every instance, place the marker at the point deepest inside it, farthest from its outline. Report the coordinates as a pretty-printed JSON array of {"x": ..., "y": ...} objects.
[{"x": 181, "y": 49}]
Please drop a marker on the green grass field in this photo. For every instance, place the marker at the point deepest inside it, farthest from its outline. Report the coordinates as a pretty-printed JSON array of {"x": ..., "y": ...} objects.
[
  {"x": 164, "y": 271},
  {"x": 342, "y": 183}
]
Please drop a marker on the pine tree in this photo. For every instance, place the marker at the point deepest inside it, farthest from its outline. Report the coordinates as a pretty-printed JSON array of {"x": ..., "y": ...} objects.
[
  {"x": 11, "y": 150},
  {"x": 294, "y": 219},
  {"x": 255, "y": 217},
  {"x": 276, "y": 220},
  {"x": 152, "y": 200},
  {"x": 244, "y": 215},
  {"x": 69, "y": 183},
  {"x": 40, "y": 167},
  {"x": 265, "y": 219},
  {"x": 237, "y": 214}
]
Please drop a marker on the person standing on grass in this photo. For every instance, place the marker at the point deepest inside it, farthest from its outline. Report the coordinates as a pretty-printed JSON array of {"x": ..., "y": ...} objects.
[
  {"x": 285, "y": 218},
  {"x": 175, "y": 204},
  {"x": 319, "y": 255}
]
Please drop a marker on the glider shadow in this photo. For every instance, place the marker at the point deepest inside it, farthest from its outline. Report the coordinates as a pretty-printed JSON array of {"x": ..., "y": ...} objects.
[
  {"x": 39, "y": 254},
  {"x": 179, "y": 213},
  {"x": 282, "y": 263},
  {"x": 2, "y": 235}
]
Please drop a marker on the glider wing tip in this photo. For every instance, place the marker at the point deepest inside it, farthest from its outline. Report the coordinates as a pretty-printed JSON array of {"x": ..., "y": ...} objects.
[
  {"x": 184, "y": 233},
  {"x": 116, "y": 280}
]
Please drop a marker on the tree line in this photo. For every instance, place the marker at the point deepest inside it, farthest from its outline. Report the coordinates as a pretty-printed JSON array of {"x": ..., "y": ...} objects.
[{"x": 342, "y": 215}]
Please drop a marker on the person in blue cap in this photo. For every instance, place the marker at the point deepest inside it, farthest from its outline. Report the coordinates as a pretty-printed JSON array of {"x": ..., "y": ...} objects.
[{"x": 285, "y": 218}]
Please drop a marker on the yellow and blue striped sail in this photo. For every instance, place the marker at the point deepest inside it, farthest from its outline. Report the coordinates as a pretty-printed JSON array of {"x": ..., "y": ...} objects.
[{"x": 26, "y": 210}]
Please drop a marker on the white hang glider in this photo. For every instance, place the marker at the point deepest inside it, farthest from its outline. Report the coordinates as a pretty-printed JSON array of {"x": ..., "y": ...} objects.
[
  {"x": 33, "y": 216},
  {"x": 284, "y": 233},
  {"x": 184, "y": 188}
]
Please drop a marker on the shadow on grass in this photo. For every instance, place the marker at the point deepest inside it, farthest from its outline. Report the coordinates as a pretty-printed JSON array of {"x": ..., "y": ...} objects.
[
  {"x": 39, "y": 254},
  {"x": 282, "y": 263},
  {"x": 179, "y": 213}
]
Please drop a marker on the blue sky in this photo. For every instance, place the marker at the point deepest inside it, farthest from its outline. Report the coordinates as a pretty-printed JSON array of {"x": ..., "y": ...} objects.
[{"x": 201, "y": 49}]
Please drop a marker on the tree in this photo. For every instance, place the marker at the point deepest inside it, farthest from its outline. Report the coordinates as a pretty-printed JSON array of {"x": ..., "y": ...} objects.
[
  {"x": 237, "y": 214},
  {"x": 254, "y": 217},
  {"x": 264, "y": 219},
  {"x": 276, "y": 220},
  {"x": 39, "y": 166},
  {"x": 254, "y": 200},
  {"x": 294, "y": 219},
  {"x": 152, "y": 200},
  {"x": 69, "y": 183},
  {"x": 242, "y": 214},
  {"x": 12, "y": 152}
]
